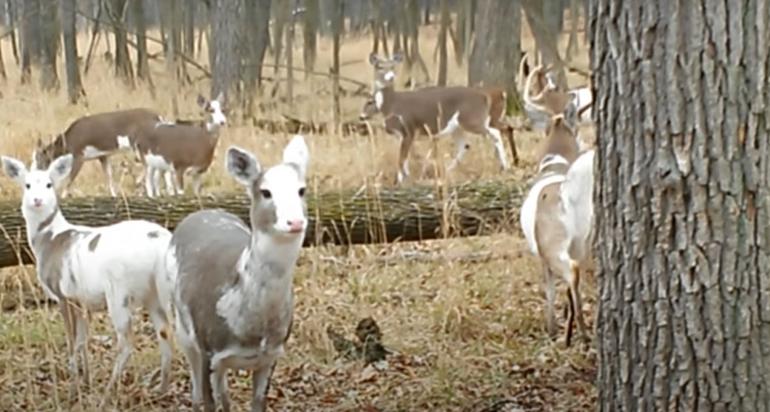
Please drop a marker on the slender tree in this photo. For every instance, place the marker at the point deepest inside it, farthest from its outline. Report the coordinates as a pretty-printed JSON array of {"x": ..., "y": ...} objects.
[
  {"x": 224, "y": 62},
  {"x": 74, "y": 85},
  {"x": 142, "y": 57},
  {"x": 681, "y": 202},
  {"x": 30, "y": 38},
  {"x": 11, "y": 13},
  {"x": 49, "y": 44},
  {"x": 117, "y": 12},
  {"x": 337, "y": 14},
  {"x": 442, "y": 37},
  {"x": 310, "y": 22}
]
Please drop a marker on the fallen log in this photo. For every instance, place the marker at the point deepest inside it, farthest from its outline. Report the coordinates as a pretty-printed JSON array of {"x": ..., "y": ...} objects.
[{"x": 364, "y": 216}]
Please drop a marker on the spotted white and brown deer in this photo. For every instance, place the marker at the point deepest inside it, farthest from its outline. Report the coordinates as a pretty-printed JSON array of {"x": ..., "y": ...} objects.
[
  {"x": 117, "y": 267},
  {"x": 173, "y": 149},
  {"x": 437, "y": 111},
  {"x": 551, "y": 216},
  {"x": 233, "y": 299},
  {"x": 96, "y": 136}
]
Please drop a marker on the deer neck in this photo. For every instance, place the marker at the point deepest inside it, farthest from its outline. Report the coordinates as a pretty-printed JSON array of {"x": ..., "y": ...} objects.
[
  {"x": 38, "y": 223},
  {"x": 383, "y": 99}
]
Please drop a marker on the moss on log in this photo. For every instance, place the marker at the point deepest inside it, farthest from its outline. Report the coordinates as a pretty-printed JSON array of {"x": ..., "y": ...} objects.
[{"x": 345, "y": 217}]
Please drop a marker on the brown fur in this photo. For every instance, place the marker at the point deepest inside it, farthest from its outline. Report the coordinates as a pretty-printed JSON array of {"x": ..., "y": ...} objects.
[{"x": 560, "y": 140}]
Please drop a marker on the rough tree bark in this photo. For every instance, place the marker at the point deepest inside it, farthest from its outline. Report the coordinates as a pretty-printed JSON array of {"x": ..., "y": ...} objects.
[
  {"x": 117, "y": 12},
  {"x": 351, "y": 217},
  {"x": 337, "y": 15},
  {"x": 49, "y": 44},
  {"x": 74, "y": 85},
  {"x": 223, "y": 56},
  {"x": 496, "y": 46},
  {"x": 442, "y": 37},
  {"x": 310, "y": 21},
  {"x": 681, "y": 200},
  {"x": 30, "y": 38}
]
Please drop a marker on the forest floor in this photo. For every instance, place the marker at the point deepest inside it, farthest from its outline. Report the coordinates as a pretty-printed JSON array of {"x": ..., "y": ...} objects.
[{"x": 462, "y": 317}]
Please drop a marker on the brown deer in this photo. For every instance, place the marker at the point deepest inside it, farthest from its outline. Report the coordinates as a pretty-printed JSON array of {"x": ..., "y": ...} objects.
[
  {"x": 547, "y": 216},
  {"x": 436, "y": 111},
  {"x": 543, "y": 98},
  {"x": 173, "y": 149},
  {"x": 96, "y": 136}
]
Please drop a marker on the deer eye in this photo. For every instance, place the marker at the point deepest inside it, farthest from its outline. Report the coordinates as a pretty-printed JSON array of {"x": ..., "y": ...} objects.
[
  {"x": 27, "y": 186},
  {"x": 49, "y": 185},
  {"x": 266, "y": 194},
  {"x": 302, "y": 192}
]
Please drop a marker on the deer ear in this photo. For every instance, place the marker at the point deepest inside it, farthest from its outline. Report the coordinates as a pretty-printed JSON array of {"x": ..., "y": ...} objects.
[
  {"x": 242, "y": 165},
  {"x": 220, "y": 97},
  {"x": 14, "y": 169},
  {"x": 297, "y": 153},
  {"x": 60, "y": 168},
  {"x": 373, "y": 59}
]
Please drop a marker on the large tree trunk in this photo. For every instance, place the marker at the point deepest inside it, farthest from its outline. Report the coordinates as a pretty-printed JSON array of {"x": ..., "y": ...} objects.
[
  {"x": 256, "y": 24},
  {"x": 352, "y": 217},
  {"x": 74, "y": 86},
  {"x": 546, "y": 37},
  {"x": 49, "y": 44},
  {"x": 30, "y": 38},
  {"x": 223, "y": 55},
  {"x": 681, "y": 203}
]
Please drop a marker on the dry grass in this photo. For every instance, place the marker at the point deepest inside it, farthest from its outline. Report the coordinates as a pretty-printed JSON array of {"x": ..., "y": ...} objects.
[{"x": 467, "y": 333}]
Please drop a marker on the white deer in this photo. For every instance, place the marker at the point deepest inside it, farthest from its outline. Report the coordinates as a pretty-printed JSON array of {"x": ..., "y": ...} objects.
[
  {"x": 233, "y": 298},
  {"x": 92, "y": 268}
]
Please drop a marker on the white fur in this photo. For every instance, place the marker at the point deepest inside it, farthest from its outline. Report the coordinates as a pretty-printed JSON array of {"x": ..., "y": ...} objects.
[
  {"x": 218, "y": 118},
  {"x": 122, "y": 269},
  {"x": 551, "y": 159},
  {"x": 91, "y": 152},
  {"x": 577, "y": 202},
  {"x": 378, "y": 99},
  {"x": 529, "y": 209},
  {"x": 124, "y": 142}
]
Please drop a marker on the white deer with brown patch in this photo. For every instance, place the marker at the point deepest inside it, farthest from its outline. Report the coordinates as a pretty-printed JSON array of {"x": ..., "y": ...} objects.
[
  {"x": 115, "y": 267},
  {"x": 97, "y": 136},
  {"x": 548, "y": 216},
  {"x": 173, "y": 149},
  {"x": 543, "y": 99},
  {"x": 437, "y": 111},
  {"x": 233, "y": 299}
]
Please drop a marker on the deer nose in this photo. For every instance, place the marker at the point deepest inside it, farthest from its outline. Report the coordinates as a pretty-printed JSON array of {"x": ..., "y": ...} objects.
[
  {"x": 37, "y": 202},
  {"x": 296, "y": 225}
]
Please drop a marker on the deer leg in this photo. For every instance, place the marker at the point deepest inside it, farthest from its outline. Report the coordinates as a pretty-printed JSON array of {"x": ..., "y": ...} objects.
[
  {"x": 149, "y": 175},
  {"x": 577, "y": 301},
  {"x": 570, "y": 318},
  {"x": 69, "y": 327},
  {"x": 403, "y": 157},
  {"x": 117, "y": 306},
  {"x": 461, "y": 147},
  {"x": 197, "y": 179},
  {"x": 77, "y": 164},
  {"x": 169, "y": 178},
  {"x": 219, "y": 387},
  {"x": 159, "y": 319},
  {"x": 497, "y": 139},
  {"x": 260, "y": 383},
  {"x": 107, "y": 169},
  {"x": 179, "y": 181},
  {"x": 550, "y": 298},
  {"x": 194, "y": 359},
  {"x": 206, "y": 391},
  {"x": 509, "y": 135}
]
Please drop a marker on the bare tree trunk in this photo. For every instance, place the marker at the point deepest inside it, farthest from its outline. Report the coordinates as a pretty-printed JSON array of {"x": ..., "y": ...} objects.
[
  {"x": 74, "y": 85},
  {"x": 337, "y": 22},
  {"x": 123, "y": 70},
  {"x": 224, "y": 62},
  {"x": 469, "y": 27},
  {"x": 281, "y": 16},
  {"x": 95, "y": 31},
  {"x": 310, "y": 35},
  {"x": 553, "y": 16},
  {"x": 413, "y": 28},
  {"x": 142, "y": 58},
  {"x": 442, "y": 37},
  {"x": 189, "y": 28},
  {"x": 574, "y": 17},
  {"x": 545, "y": 38},
  {"x": 30, "y": 38},
  {"x": 11, "y": 10},
  {"x": 2, "y": 65},
  {"x": 681, "y": 204},
  {"x": 290, "y": 56},
  {"x": 497, "y": 45},
  {"x": 49, "y": 44},
  {"x": 255, "y": 24},
  {"x": 378, "y": 28}
]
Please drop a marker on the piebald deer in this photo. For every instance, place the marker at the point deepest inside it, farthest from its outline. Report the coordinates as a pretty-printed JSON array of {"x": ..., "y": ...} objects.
[
  {"x": 437, "y": 111},
  {"x": 96, "y": 136},
  {"x": 543, "y": 219},
  {"x": 116, "y": 267},
  {"x": 543, "y": 99},
  {"x": 174, "y": 149},
  {"x": 233, "y": 299}
]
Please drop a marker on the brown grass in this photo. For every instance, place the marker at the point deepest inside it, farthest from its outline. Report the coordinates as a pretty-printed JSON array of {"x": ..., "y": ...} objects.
[{"x": 467, "y": 333}]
